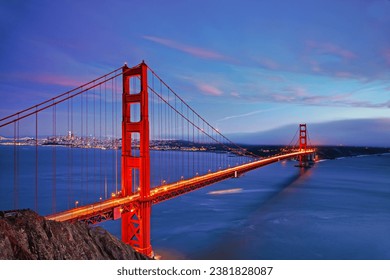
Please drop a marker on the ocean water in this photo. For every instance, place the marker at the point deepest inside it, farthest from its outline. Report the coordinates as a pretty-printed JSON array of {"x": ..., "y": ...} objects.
[{"x": 337, "y": 209}]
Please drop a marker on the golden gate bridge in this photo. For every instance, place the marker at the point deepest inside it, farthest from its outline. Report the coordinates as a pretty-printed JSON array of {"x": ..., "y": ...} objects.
[{"x": 114, "y": 147}]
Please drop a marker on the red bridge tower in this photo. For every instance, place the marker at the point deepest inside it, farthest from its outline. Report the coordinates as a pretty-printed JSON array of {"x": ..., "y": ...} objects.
[
  {"x": 136, "y": 166},
  {"x": 303, "y": 160},
  {"x": 302, "y": 137}
]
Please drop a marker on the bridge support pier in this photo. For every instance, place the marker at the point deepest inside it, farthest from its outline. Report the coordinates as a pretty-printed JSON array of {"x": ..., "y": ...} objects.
[{"x": 136, "y": 164}]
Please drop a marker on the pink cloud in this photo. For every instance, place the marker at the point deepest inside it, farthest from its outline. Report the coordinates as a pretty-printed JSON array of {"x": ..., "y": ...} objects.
[
  {"x": 49, "y": 79},
  {"x": 290, "y": 95},
  {"x": 330, "y": 48},
  {"x": 335, "y": 100},
  {"x": 235, "y": 94},
  {"x": 209, "y": 89},
  {"x": 54, "y": 80},
  {"x": 299, "y": 95},
  {"x": 269, "y": 63},
  {"x": 282, "y": 98},
  {"x": 387, "y": 56},
  {"x": 195, "y": 51},
  {"x": 315, "y": 66},
  {"x": 296, "y": 91},
  {"x": 344, "y": 75},
  {"x": 276, "y": 79}
]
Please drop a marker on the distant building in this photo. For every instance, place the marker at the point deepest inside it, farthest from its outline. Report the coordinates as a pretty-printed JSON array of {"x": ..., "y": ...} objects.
[{"x": 70, "y": 135}]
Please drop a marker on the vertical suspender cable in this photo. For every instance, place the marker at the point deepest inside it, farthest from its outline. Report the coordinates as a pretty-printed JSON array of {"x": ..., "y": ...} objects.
[
  {"x": 36, "y": 161},
  {"x": 72, "y": 138},
  {"x": 115, "y": 134},
  {"x": 100, "y": 143},
  {"x": 112, "y": 148},
  {"x": 105, "y": 139},
  {"x": 68, "y": 137},
  {"x": 86, "y": 147},
  {"x": 54, "y": 160},
  {"x": 16, "y": 164},
  {"x": 94, "y": 144},
  {"x": 82, "y": 138}
]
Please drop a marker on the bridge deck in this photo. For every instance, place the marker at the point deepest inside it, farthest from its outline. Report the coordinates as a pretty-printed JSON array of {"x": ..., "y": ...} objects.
[{"x": 111, "y": 208}]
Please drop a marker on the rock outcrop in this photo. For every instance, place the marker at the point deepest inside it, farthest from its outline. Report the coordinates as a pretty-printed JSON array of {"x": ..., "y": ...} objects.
[{"x": 24, "y": 235}]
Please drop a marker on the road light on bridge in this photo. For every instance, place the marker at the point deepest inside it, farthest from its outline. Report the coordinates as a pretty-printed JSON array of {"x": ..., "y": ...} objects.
[{"x": 76, "y": 203}]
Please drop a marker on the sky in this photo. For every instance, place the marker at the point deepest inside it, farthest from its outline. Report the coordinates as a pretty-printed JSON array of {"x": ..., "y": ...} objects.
[{"x": 260, "y": 65}]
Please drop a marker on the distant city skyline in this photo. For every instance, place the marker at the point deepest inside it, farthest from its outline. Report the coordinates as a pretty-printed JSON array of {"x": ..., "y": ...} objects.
[{"x": 248, "y": 67}]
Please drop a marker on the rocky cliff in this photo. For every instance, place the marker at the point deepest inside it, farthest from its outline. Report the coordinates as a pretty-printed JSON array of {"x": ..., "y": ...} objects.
[{"x": 24, "y": 235}]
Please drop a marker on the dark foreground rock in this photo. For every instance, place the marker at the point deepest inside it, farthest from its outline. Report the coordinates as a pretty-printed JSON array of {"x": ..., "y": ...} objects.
[{"x": 24, "y": 235}]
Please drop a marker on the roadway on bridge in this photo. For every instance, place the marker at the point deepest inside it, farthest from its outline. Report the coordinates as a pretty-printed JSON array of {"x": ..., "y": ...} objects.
[{"x": 165, "y": 192}]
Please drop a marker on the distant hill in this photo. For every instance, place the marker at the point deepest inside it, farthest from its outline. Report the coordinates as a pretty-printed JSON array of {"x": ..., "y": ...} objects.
[{"x": 333, "y": 152}]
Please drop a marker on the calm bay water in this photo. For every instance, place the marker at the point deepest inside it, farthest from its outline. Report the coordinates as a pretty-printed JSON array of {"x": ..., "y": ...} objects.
[{"x": 338, "y": 209}]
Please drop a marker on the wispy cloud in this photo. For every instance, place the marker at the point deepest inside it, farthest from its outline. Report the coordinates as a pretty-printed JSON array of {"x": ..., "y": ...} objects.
[
  {"x": 241, "y": 115},
  {"x": 268, "y": 63},
  {"x": 248, "y": 114},
  {"x": 58, "y": 80},
  {"x": 234, "y": 94},
  {"x": 195, "y": 51},
  {"x": 209, "y": 84},
  {"x": 45, "y": 78},
  {"x": 387, "y": 56},
  {"x": 331, "y": 59},
  {"x": 209, "y": 89},
  {"x": 330, "y": 48},
  {"x": 344, "y": 74},
  {"x": 299, "y": 95}
]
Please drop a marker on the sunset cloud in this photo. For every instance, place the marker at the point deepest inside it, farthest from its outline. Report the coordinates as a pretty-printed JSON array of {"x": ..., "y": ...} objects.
[
  {"x": 298, "y": 95},
  {"x": 46, "y": 79},
  {"x": 209, "y": 89},
  {"x": 268, "y": 63},
  {"x": 195, "y": 51},
  {"x": 387, "y": 56},
  {"x": 330, "y": 48},
  {"x": 344, "y": 75},
  {"x": 52, "y": 79}
]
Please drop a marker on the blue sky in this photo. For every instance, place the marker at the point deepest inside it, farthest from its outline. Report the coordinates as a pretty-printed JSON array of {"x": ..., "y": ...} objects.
[{"x": 260, "y": 65}]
